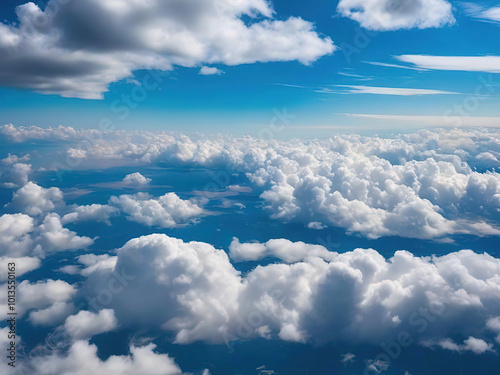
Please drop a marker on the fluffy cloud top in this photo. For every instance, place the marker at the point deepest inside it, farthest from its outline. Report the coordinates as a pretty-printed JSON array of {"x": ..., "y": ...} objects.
[
  {"x": 397, "y": 14},
  {"x": 14, "y": 171},
  {"x": 136, "y": 179},
  {"x": 35, "y": 200},
  {"x": 19, "y": 236},
  {"x": 210, "y": 71},
  {"x": 77, "y": 48},
  {"x": 167, "y": 211},
  {"x": 40, "y": 295},
  {"x": 421, "y": 185},
  {"x": 82, "y": 359},
  {"x": 86, "y": 324},
  {"x": 194, "y": 291},
  {"x": 93, "y": 212}
]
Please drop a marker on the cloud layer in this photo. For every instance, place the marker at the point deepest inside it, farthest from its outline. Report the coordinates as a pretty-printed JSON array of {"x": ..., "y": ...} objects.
[{"x": 421, "y": 185}]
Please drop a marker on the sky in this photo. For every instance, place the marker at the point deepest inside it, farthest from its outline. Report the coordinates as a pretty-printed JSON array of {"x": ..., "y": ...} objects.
[
  {"x": 244, "y": 187},
  {"x": 323, "y": 87}
]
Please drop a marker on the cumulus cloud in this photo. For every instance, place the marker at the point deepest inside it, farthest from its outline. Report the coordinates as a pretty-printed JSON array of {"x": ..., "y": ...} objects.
[
  {"x": 136, "y": 179},
  {"x": 400, "y": 14},
  {"x": 93, "y": 212},
  {"x": 14, "y": 171},
  {"x": 167, "y": 211},
  {"x": 82, "y": 359},
  {"x": 86, "y": 324},
  {"x": 493, "y": 324},
  {"x": 286, "y": 250},
  {"x": 23, "y": 264},
  {"x": 195, "y": 292},
  {"x": 54, "y": 237},
  {"x": 210, "y": 71},
  {"x": 76, "y": 49},
  {"x": 52, "y": 315},
  {"x": 477, "y": 346},
  {"x": 421, "y": 185},
  {"x": 19, "y": 237},
  {"x": 34, "y": 200},
  {"x": 15, "y": 239},
  {"x": 40, "y": 295}
]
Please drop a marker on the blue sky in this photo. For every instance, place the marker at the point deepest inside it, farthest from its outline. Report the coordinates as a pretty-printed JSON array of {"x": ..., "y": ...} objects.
[
  {"x": 242, "y": 100},
  {"x": 221, "y": 187}
]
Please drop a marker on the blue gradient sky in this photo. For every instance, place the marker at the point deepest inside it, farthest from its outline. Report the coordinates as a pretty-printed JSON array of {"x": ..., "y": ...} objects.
[{"x": 241, "y": 101}]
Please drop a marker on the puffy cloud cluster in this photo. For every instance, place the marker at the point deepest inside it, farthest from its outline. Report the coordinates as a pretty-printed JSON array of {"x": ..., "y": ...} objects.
[
  {"x": 82, "y": 359},
  {"x": 48, "y": 295},
  {"x": 92, "y": 212},
  {"x": 477, "y": 346},
  {"x": 20, "y": 236},
  {"x": 77, "y": 48},
  {"x": 166, "y": 211},
  {"x": 136, "y": 179},
  {"x": 34, "y": 200},
  {"x": 14, "y": 171},
  {"x": 397, "y": 14},
  {"x": 422, "y": 185},
  {"x": 86, "y": 324},
  {"x": 358, "y": 296}
]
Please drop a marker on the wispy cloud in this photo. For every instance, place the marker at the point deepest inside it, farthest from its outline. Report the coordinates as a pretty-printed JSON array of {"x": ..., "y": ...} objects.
[
  {"x": 488, "y": 64},
  {"x": 396, "y": 91},
  {"x": 481, "y": 12},
  {"x": 394, "y": 66}
]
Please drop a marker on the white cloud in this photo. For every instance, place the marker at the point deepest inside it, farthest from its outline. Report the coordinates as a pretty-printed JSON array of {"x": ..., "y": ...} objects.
[
  {"x": 22, "y": 265},
  {"x": 488, "y": 64},
  {"x": 477, "y": 346},
  {"x": 93, "y": 212},
  {"x": 63, "y": 51},
  {"x": 35, "y": 200},
  {"x": 54, "y": 237},
  {"x": 210, "y": 71},
  {"x": 290, "y": 252},
  {"x": 39, "y": 295},
  {"x": 348, "y": 357},
  {"x": 19, "y": 236},
  {"x": 167, "y": 211},
  {"x": 481, "y": 12},
  {"x": 136, "y": 179},
  {"x": 400, "y": 14},
  {"x": 493, "y": 324},
  {"x": 82, "y": 359},
  {"x": 53, "y": 314},
  {"x": 419, "y": 185},
  {"x": 15, "y": 239},
  {"x": 358, "y": 296},
  {"x": 86, "y": 324},
  {"x": 14, "y": 171},
  {"x": 393, "y": 91}
]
